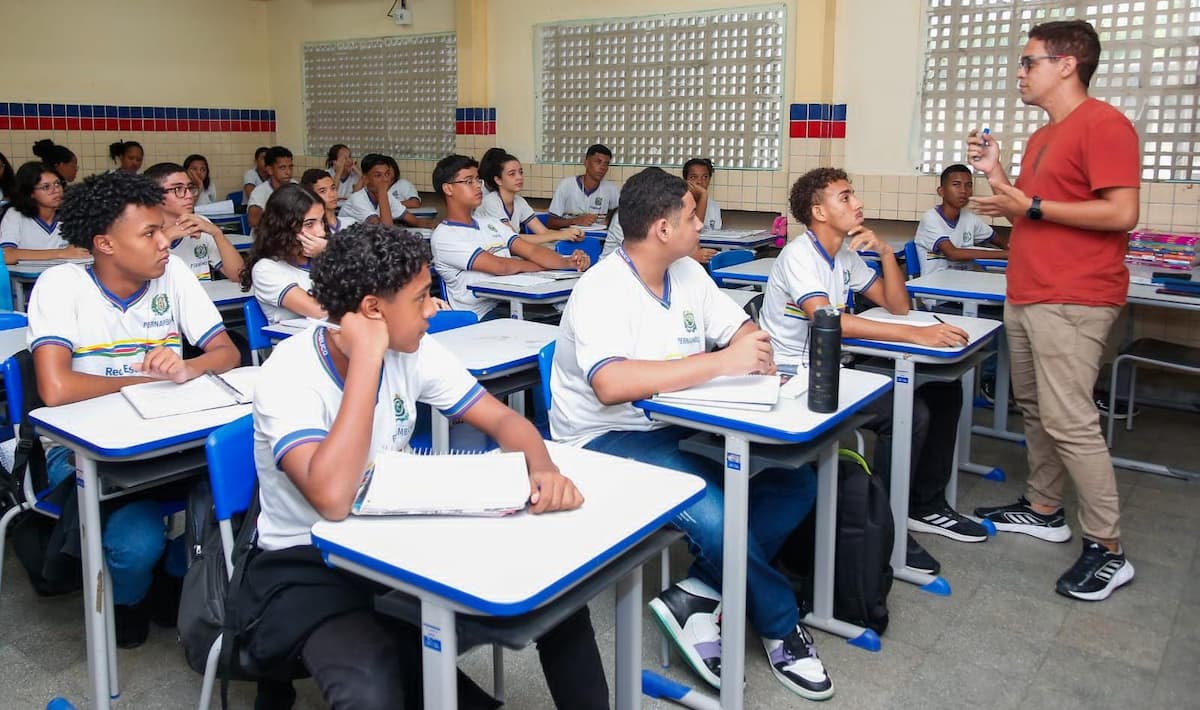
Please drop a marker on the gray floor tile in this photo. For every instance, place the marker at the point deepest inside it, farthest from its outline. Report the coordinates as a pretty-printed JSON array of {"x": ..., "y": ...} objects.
[
  {"x": 1071, "y": 678},
  {"x": 1091, "y": 630},
  {"x": 950, "y": 682}
]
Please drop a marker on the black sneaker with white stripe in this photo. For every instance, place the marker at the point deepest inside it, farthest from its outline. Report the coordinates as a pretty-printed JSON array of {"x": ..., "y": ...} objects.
[
  {"x": 948, "y": 522},
  {"x": 1020, "y": 517},
  {"x": 795, "y": 663},
  {"x": 1096, "y": 574},
  {"x": 690, "y": 614}
]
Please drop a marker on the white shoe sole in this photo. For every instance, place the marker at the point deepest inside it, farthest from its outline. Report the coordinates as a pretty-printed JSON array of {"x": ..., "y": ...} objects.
[
  {"x": 1042, "y": 532},
  {"x": 1120, "y": 579},
  {"x": 802, "y": 692},
  {"x": 675, "y": 632},
  {"x": 921, "y": 526}
]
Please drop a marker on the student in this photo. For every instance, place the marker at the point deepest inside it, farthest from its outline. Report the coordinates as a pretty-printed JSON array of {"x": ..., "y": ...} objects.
[
  {"x": 948, "y": 233},
  {"x": 820, "y": 268},
  {"x": 616, "y": 237},
  {"x": 644, "y": 322},
  {"x": 58, "y": 158},
  {"x": 127, "y": 155},
  {"x": 257, "y": 175},
  {"x": 30, "y": 228},
  {"x": 585, "y": 199},
  {"x": 339, "y": 163},
  {"x": 490, "y": 155},
  {"x": 698, "y": 173},
  {"x": 467, "y": 249},
  {"x": 194, "y": 239},
  {"x": 401, "y": 188},
  {"x": 278, "y": 162},
  {"x": 503, "y": 176},
  {"x": 322, "y": 185},
  {"x": 1072, "y": 205},
  {"x": 293, "y": 231},
  {"x": 328, "y": 401},
  {"x": 196, "y": 166},
  {"x": 379, "y": 200},
  {"x": 97, "y": 328},
  {"x": 8, "y": 181}
]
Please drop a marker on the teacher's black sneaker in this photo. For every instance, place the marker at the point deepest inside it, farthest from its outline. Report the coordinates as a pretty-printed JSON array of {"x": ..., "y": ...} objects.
[
  {"x": 690, "y": 614},
  {"x": 1020, "y": 517},
  {"x": 1096, "y": 574},
  {"x": 948, "y": 522},
  {"x": 795, "y": 663}
]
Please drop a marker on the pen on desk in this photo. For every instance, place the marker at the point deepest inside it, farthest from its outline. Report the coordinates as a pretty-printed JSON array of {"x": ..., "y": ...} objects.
[
  {"x": 225, "y": 385},
  {"x": 939, "y": 320}
]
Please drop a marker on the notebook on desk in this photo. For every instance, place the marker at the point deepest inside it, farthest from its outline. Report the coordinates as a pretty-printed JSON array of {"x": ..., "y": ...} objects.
[
  {"x": 154, "y": 400},
  {"x": 750, "y": 392},
  {"x": 54, "y": 262},
  {"x": 405, "y": 483}
]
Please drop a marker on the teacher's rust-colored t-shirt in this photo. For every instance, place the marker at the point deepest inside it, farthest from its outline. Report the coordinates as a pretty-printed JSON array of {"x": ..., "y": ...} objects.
[{"x": 1095, "y": 147}]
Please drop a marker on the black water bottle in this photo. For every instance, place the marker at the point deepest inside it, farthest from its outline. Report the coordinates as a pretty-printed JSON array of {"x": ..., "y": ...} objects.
[{"x": 824, "y": 359}]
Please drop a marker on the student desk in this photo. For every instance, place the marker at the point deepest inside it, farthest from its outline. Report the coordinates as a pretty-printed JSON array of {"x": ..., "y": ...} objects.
[
  {"x": 940, "y": 364},
  {"x": 232, "y": 220},
  {"x": 108, "y": 429},
  {"x": 282, "y": 330},
  {"x": 241, "y": 242},
  {"x": 425, "y": 212},
  {"x": 790, "y": 422},
  {"x": 226, "y": 295},
  {"x": 972, "y": 289},
  {"x": 502, "y": 354},
  {"x": 12, "y": 341},
  {"x": 724, "y": 239},
  {"x": 513, "y": 565},
  {"x": 520, "y": 289},
  {"x": 751, "y": 273},
  {"x": 741, "y": 296}
]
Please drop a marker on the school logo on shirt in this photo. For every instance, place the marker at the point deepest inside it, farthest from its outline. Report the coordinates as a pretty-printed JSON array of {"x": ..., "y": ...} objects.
[
  {"x": 404, "y": 423},
  {"x": 400, "y": 410},
  {"x": 160, "y": 304},
  {"x": 492, "y": 228},
  {"x": 201, "y": 251},
  {"x": 599, "y": 201},
  {"x": 689, "y": 322}
]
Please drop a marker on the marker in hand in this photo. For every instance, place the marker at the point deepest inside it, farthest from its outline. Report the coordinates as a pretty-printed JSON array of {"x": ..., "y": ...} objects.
[{"x": 987, "y": 132}]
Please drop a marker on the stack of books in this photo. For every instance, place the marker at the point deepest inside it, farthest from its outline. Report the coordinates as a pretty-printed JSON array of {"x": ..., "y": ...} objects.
[{"x": 1162, "y": 250}]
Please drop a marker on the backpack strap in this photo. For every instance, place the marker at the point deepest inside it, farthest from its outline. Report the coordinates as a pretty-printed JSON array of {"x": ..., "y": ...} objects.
[
  {"x": 29, "y": 453},
  {"x": 243, "y": 546},
  {"x": 855, "y": 457}
]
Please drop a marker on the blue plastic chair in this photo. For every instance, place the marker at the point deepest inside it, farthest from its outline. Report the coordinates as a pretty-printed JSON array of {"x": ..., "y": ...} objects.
[
  {"x": 722, "y": 259},
  {"x": 237, "y": 197},
  {"x": 912, "y": 260},
  {"x": 449, "y": 320},
  {"x": 545, "y": 362},
  {"x": 592, "y": 246},
  {"x": 6, "y": 287},
  {"x": 256, "y": 320}
]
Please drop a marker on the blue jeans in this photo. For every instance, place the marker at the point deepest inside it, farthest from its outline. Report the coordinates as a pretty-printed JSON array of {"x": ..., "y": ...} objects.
[
  {"x": 779, "y": 500},
  {"x": 133, "y": 536}
]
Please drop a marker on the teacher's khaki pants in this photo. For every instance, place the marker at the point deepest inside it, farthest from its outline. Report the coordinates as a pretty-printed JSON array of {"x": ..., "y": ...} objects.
[{"x": 1056, "y": 350}]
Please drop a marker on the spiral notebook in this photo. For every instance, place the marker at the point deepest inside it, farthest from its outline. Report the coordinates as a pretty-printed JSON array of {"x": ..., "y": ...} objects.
[
  {"x": 154, "y": 400},
  {"x": 406, "y": 483},
  {"x": 749, "y": 392}
]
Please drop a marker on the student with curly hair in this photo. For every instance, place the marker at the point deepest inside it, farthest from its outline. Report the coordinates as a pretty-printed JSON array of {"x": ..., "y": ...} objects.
[
  {"x": 325, "y": 405},
  {"x": 58, "y": 158},
  {"x": 291, "y": 232},
  {"x": 97, "y": 328},
  {"x": 30, "y": 228}
]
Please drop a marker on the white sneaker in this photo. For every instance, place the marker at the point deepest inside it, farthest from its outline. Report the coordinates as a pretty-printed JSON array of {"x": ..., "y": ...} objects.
[
  {"x": 795, "y": 663},
  {"x": 690, "y": 614}
]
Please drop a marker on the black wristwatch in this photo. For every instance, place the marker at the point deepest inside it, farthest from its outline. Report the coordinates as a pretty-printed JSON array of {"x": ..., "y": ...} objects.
[{"x": 1035, "y": 209}]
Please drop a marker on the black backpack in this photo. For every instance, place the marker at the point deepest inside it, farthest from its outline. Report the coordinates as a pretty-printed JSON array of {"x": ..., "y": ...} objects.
[
  {"x": 44, "y": 546},
  {"x": 862, "y": 569}
]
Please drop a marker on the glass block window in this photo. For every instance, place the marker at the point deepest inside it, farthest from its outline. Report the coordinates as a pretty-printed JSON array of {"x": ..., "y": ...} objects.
[
  {"x": 1148, "y": 69},
  {"x": 391, "y": 95},
  {"x": 661, "y": 89}
]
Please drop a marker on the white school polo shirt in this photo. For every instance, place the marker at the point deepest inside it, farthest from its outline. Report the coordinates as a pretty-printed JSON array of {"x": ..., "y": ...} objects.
[
  {"x": 208, "y": 195},
  {"x": 802, "y": 271},
  {"x": 362, "y": 205},
  {"x": 272, "y": 280},
  {"x": 297, "y": 398},
  {"x": 615, "y": 236},
  {"x": 21, "y": 232},
  {"x": 612, "y": 316},
  {"x": 106, "y": 335},
  {"x": 456, "y": 246},
  {"x": 200, "y": 254},
  {"x": 492, "y": 206},
  {"x": 345, "y": 188},
  {"x": 570, "y": 199},
  {"x": 935, "y": 230},
  {"x": 404, "y": 189},
  {"x": 260, "y": 195},
  {"x": 251, "y": 178}
]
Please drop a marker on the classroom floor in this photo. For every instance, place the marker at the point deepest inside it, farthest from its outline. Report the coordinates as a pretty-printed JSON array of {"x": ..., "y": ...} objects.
[{"x": 1003, "y": 639}]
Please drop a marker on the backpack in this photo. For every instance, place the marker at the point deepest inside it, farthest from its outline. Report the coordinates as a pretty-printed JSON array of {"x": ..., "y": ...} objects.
[
  {"x": 43, "y": 545},
  {"x": 865, "y": 533}
]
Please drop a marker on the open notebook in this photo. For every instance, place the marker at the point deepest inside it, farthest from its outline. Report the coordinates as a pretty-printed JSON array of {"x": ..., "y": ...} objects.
[
  {"x": 403, "y": 483},
  {"x": 752, "y": 392},
  {"x": 154, "y": 400}
]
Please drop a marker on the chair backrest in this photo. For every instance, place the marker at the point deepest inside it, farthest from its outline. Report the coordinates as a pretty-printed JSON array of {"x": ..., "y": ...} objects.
[
  {"x": 912, "y": 260},
  {"x": 448, "y": 320},
  {"x": 231, "y": 472},
  {"x": 545, "y": 362},
  {"x": 6, "y": 287},
  {"x": 728, "y": 258},
  {"x": 544, "y": 218},
  {"x": 256, "y": 320},
  {"x": 592, "y": 246},
  {"x": 14, "y": 390},
  {"x": 237, "y": 197},
  {"x": 10, "y": 320}
]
